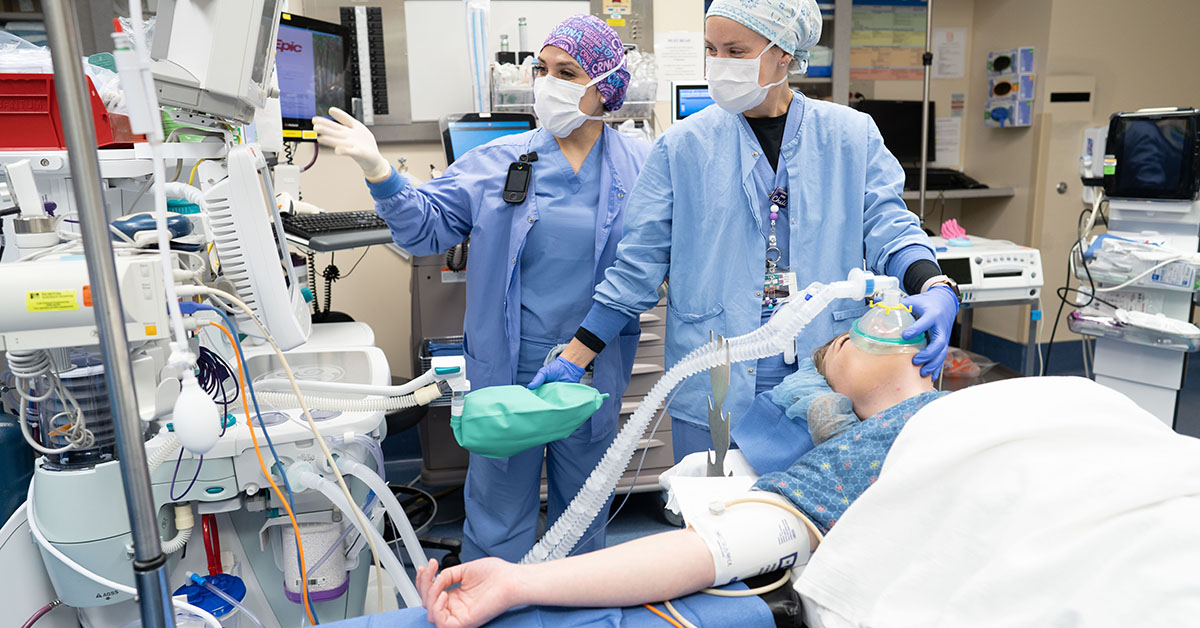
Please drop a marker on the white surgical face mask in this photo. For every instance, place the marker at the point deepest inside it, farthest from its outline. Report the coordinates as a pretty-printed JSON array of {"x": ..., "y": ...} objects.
[
  {"x": 556, "y": 103},
  {"x": 733, "y": 83}
]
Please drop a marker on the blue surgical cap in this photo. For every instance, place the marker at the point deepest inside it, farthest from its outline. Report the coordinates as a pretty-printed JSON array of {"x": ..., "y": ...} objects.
[
  {"x": 777, "y": 20},
  {"x": 808, "y": 398}
]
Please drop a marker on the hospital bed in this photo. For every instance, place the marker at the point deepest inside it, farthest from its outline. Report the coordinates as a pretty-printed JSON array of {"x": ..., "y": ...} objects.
[{"x": 779, "y": 609}]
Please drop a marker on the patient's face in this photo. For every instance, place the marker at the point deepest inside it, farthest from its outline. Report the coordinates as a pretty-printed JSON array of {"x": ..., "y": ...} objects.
[{"x": 854, "y": 372}]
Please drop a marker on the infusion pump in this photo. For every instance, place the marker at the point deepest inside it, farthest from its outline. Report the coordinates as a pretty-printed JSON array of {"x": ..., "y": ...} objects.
[{"x": 991, "y": 270}]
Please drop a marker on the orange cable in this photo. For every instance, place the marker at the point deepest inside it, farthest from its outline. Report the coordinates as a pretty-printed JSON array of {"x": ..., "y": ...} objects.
[
  {"x": 664, "y": 616},
  {"x": 263, "y": 466}
]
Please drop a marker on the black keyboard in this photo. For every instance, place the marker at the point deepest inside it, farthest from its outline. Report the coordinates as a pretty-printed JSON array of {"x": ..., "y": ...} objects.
[
  {"x": 939, "y": 179},
  {"x": 308, "y": 226}
]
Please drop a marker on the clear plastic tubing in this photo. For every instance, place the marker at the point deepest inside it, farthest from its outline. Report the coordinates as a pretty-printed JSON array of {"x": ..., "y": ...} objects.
[
  {"x": 408, "y": 592},
  {"x": 225, "y": 596},
  {"x": 394, "y": 510},
  {"x": 771, "y": 339},
  {"x": 373, "y": 446}
]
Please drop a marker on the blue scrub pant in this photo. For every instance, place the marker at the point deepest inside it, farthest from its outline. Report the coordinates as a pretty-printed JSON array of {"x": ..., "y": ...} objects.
[
  {"x": 502, "y": 495},
  {"x": 688, "y": 437}
]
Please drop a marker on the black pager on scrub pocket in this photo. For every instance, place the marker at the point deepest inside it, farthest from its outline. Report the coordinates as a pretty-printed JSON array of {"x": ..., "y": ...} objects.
[{"x": 516, "y": 184}]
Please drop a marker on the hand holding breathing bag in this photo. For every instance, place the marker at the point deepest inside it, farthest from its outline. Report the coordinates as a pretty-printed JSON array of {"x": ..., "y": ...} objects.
[{"x": 502, "y": 421}]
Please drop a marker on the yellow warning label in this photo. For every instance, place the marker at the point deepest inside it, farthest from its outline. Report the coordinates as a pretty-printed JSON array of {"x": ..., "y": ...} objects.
[
  {"x": 308, "y": 135},
  {"x": 51, "y": 301},
  {"x": 620, "y": 21},
  {"x": 151, "y": 330},
  {"x": 291, "y": 133}
]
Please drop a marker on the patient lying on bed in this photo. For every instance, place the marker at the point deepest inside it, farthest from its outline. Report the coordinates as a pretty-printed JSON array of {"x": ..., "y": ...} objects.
[
  {"x": 822, "y": 484},
  {"x": 1032, "y": 502}
]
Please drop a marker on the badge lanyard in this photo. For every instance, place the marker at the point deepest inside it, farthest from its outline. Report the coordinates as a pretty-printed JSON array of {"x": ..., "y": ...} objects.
[{"x": 777, "y": 286}]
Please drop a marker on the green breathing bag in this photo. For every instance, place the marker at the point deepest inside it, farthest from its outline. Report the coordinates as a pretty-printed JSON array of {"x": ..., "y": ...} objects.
[{"x": 502, "y": 421}]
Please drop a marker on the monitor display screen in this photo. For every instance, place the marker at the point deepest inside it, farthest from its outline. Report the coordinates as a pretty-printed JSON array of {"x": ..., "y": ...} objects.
[
  {"x": 1154, "y": 157},
  {"x": 691, "y": 100},
  {"x": 311, "y": 61},
  {"x": 958, "y": 269},
  {"x": 473, "y": 130},
  {"x": 899, "y": 123}
]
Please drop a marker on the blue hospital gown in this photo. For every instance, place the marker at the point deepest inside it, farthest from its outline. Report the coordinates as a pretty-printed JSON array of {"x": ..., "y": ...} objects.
[{"x": 825, "y": 481}]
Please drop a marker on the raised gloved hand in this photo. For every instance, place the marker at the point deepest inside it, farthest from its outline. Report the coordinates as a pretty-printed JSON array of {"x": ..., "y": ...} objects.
[
  {"x": 935, "y": 310},
  {"x": 559, "y": 370},
  {"x": 349, "y": 137}
]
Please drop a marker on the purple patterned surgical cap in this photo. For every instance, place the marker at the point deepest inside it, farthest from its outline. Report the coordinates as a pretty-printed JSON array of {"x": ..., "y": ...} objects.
[{"x": 598, "y": 48}]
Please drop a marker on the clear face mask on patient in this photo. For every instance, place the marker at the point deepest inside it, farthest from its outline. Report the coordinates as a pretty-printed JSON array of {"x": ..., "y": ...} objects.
[{"x": 879, "y": 331}]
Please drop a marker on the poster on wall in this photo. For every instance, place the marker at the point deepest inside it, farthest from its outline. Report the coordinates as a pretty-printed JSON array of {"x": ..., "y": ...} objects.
[{"x": 887, "y": 40}]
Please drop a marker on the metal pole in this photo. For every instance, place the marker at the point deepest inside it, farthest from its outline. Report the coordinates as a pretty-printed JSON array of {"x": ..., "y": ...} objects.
[
  {"x": 927, "y": 63},
  {"x": 149, "y": 563}
]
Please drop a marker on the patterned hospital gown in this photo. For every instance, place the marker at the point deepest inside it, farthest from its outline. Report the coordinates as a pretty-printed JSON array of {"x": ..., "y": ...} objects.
[{"x": 825, "y": 481}]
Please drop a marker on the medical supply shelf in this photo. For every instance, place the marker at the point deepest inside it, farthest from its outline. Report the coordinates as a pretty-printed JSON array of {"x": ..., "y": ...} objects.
[
  {"x": 934, "y": 195},
  {"x": 1101, "y": 326}
]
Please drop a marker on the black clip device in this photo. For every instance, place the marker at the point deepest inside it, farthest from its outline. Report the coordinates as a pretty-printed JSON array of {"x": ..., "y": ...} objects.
[{"x": 516, "y": 184}]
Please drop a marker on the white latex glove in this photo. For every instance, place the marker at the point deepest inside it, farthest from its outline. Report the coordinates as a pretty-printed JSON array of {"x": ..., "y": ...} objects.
[{"x": 349, "y": 137}]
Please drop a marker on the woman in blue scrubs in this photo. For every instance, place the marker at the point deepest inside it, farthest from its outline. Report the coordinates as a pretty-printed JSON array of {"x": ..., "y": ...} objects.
[
  {"x": 767, "y": 180},
  {"x": 534, "y": 264}
]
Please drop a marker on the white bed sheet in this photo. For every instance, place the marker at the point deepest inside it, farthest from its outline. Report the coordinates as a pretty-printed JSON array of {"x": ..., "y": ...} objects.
[{"x": 1029, "y": 502}]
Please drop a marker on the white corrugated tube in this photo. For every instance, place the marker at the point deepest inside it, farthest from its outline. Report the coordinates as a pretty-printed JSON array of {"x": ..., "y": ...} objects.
[
  {"x": 771, "y": 339},
  {"x": 421, "y": 397}
]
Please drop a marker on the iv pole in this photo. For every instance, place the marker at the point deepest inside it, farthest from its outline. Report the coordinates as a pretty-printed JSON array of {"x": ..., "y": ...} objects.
[
  {"x": 149, "y": 563},
  {"x": 926, "y": 62}
]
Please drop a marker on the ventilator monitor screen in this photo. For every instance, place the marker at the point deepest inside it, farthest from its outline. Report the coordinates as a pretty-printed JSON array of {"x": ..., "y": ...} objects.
[
  {"x": 899, "y": 123},
  {"x": 311, "y": 61},
  {"x": 1152, "y": 156},
  {"x": 461, "y": 133}
]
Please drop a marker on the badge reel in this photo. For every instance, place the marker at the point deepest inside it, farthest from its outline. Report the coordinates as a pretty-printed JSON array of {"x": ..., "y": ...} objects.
[
  {"x": 778, "y": 286},
  {"x": 516, "y": 184}
]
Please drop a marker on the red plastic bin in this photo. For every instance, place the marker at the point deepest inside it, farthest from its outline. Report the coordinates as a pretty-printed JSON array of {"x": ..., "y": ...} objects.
[{"x": 29, "y": 117}]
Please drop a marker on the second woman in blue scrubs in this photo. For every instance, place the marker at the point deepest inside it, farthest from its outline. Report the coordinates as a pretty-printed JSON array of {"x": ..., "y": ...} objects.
[{"x": 534, "y": 264}]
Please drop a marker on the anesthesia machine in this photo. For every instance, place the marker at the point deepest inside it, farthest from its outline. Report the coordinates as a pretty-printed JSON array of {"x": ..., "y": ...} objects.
[{"x": 207, "y": 455}]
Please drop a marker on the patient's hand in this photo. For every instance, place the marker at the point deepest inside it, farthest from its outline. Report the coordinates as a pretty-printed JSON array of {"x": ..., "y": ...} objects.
[{"x": 486, "y": 588}]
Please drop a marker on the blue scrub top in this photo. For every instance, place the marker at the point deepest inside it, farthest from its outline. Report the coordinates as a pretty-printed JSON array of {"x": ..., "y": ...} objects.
[
  {"x": 558, "y": 260},
  {"x": 695, "y": 216},
  {"x": 466, "y": 200}
]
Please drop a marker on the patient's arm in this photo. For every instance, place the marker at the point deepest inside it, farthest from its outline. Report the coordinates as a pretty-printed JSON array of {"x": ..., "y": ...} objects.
[{"x": 650, "y": 569}]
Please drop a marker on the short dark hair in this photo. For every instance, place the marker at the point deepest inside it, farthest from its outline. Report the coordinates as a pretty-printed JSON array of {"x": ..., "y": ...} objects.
[{"x": 818, "y": 355}]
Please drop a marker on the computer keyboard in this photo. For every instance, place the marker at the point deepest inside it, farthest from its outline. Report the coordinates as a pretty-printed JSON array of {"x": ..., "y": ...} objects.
[
  {"x": 308, "y": 226},
  {"x": 939, "y": 179}
]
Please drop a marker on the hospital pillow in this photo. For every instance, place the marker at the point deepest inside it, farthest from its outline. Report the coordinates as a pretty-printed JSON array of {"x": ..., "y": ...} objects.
[{"x": 502, "y": 421}]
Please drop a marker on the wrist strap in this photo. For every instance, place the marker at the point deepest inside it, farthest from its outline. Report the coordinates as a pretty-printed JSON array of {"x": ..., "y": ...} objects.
[{"x": 590, "y": 340}]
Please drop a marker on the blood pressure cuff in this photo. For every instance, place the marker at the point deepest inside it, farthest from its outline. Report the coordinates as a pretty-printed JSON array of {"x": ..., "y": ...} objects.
[{"x": 502, "y": 421}]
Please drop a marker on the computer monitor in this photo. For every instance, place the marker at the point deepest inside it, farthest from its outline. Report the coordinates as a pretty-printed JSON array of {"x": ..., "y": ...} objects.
[
  {"x": 688, "y": 98},
  {"x": 464, "y": 131},
  {"x": 899, "y": 123},
  {"x": 1153, "y": 155},
  {"x": 311, "y": 58}
]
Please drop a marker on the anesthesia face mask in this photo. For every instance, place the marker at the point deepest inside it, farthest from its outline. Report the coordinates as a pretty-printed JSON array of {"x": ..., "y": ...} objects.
[{"x": 879, "y": 330}]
